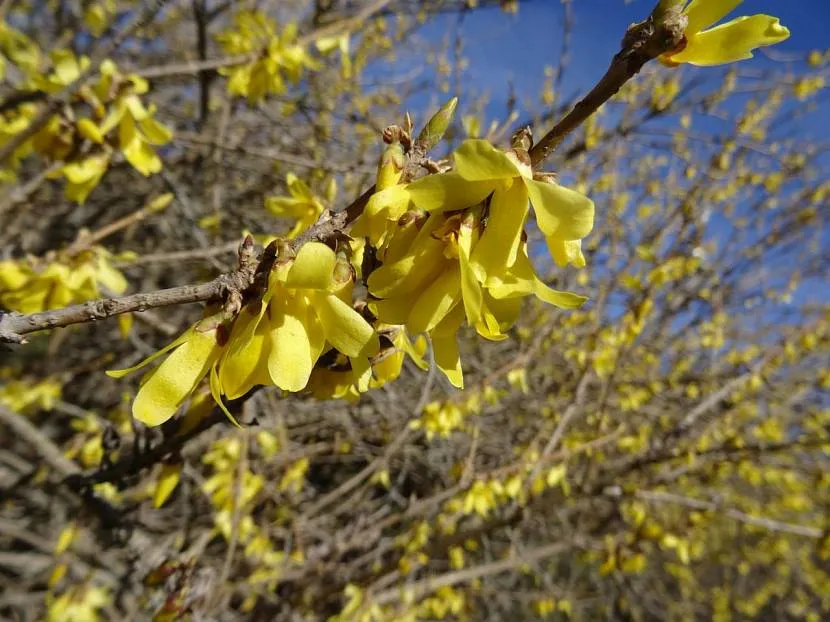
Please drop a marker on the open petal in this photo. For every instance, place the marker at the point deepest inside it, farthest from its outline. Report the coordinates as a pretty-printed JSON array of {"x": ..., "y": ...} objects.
[
  {"x": 290, "y": 359},
  {"x": 345, "y": 328},
  {"x": 732, "y": 41},
  {"x": 313, "y": 267},
  {"x": 170, "y": 383},
  {"x": 436, "y": 301},
  {"x": 560, "y": 211},
  {"x": 499, "y": 243},
  {"x": 478, "y": 160},
  {"x": 392, "y": 310},
  {"x": 448, "y": 192},
  {"x": 470, "y": 286},
  {"x": 445, "y": 348},
  {"x": 245, "y": 355},
  {"x": 703, "y": 13}
]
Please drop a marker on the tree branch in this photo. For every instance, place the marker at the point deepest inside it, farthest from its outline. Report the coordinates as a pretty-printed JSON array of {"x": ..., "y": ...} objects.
[{"x": 658, "y": 34}]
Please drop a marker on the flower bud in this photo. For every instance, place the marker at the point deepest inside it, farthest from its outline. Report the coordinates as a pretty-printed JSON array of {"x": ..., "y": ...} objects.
[{"x": 437, "y": 126}]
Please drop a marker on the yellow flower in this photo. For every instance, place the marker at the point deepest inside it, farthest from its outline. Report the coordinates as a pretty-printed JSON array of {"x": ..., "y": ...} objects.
[
  {"x": 302, "y": 205},
  {"x": 193, "y": 356},
  {"x": 29, "y": 287},
  {"x": 283, "y": 337},
  {"x": 428, "y": 284},
  {"x": 277, "y": 56},
  {"x": 564, "y": 216},
  {"x": 726, "y": 43},
  {"x": 138, "y": 131}
]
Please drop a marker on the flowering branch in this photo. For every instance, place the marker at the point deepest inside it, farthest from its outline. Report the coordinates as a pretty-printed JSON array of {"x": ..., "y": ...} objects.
[{"x": 661, "y": 32}]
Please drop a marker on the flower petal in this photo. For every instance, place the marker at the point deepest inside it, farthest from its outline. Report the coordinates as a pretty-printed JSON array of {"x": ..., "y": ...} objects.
[
  {"x": 313, "y": 268},
  {"x": 499, "y": 243},
  {"x": 445, "y": 347},
  {"x": 732, "y": 41},
  {"x": 290, "y": 359},
  {"x": 561, "y": 211},
  {"x": 170, "y": 383},
  {"x": 436, "y": 301},
  {"x": 478, "y": 160},
  {"x": 470, "y": 287},
  {"x": 345, "y": 328},
  {"x": 447, "y": 192},
  {"x": 245, "y": 354},
  {"x": 703, "y": 13}
]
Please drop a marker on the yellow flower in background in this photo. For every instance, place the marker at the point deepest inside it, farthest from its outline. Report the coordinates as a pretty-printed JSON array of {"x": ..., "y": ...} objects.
[
  {"x": 276, "y": 56},
  {"x": 302, "y": 205},
  {"x": 30, "y": 286},
  {"x": 728, "y": 42},
  {"x": 138, "y": 131}
]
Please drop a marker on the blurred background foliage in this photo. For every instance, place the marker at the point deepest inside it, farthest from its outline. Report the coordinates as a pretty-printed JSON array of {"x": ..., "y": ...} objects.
[{"x": 662, "y": 453}]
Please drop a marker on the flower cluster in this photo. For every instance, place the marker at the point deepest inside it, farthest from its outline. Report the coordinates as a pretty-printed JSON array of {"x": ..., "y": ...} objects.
[
  {"x": 454, "y": 250},
  {"x": 110, "y": 118},
  {"x": 276, "y": 57},
  {"x": 33, "y": 285},
  {"x": 446, "y": 250},
  {"x": 304, "y": 314}
]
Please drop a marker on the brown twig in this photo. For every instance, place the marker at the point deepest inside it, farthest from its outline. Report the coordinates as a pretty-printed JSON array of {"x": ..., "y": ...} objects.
[{"x": 642, "y": 42}]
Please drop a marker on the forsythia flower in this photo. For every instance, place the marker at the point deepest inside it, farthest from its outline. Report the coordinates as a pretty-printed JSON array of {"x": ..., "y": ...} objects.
[
  {"x": 466, "y": 258},
  {"x": 30, "y": 287},
  {"x": 275, "y": 341},
  {"x": 138, "y": 131},
  {"x": 726, "y": 43},
  {"x": 302, "y": 205},
  {"x": 275, "y": 57},
  {"x": 428, "y": 284},
  {"x": 564, "y": 216}
]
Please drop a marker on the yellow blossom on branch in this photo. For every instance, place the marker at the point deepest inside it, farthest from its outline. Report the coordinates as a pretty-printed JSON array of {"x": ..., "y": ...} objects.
[{"x": 725, "y": 43}]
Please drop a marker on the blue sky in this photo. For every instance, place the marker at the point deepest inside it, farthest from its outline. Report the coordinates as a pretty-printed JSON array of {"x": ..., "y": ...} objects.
[{"x": 502, "y": 47}]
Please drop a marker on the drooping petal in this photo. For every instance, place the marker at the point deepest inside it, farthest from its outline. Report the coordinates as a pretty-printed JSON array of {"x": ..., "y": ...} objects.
[
  {"x": 216, "y": 394},
  {"x": 170, "y": 383},
  {"x": 499, "y": 243},
  {"x": 436, "y": 301},
  {"x": 732, "y": 41},
  {"x": 566, "y": 252},
  {"x": 703, "y": 13},
  {"x": 289, "y": 360},
  {"x": 522, "y": 280},
  {"x": 445, "y": 347},
  {"x": 448, "y": 192},
  {"x": 560, "y": 211},
  {"x": 245, "y": 355},
  {"x": 313, "y": 267},
  {"x": 470, "y": 286},
  {"x": 478, "y": 160},
  {"x": 344, "y": 327}
]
